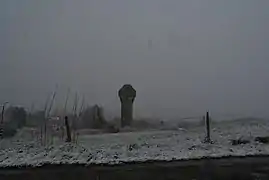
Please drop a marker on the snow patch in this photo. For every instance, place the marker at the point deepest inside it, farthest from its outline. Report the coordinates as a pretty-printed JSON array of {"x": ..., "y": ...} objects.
[{"x": 139, "y": 147}]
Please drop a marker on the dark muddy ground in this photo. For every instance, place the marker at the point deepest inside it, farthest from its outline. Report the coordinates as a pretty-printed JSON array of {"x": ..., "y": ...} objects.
[{"x": 248, "y": 168}]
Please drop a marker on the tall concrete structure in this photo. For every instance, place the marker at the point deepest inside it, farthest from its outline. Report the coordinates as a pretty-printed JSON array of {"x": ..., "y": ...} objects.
[{"x": 127, "y": 95}]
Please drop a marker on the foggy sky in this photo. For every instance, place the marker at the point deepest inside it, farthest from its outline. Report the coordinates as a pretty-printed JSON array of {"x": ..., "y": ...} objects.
[{"x": 183, "y": 56}]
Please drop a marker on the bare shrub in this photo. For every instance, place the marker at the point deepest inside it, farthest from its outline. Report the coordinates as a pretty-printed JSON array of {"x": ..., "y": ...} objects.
[
  {"x": 35, "y": 119},
  {"x": 93, "y": 117},
  {"x": 8, "y": 130},
  {"x": 110, "y": 128},
  {"x": 15, "y": 116}
]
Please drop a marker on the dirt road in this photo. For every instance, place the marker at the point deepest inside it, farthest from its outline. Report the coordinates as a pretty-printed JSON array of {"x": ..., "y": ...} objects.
[{"x": 247, "y": 168}]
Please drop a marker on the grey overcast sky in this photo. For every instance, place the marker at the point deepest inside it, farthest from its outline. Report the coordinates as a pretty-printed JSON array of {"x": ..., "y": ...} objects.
[{"x": 183, "y": 56}]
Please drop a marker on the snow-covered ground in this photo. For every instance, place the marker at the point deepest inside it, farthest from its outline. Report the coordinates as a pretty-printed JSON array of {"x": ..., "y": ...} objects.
[{"x": 139, "y": 146}]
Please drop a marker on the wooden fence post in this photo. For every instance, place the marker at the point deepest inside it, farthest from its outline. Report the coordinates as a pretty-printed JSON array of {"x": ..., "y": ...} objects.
[
  {"x": 2, "y": 120},
  {"x": 207, "y": 119},
  {"x": 68, "y": 133}
]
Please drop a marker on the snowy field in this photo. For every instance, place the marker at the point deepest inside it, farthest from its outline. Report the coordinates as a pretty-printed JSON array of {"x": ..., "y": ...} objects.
[{"x": 118, "y": 148}]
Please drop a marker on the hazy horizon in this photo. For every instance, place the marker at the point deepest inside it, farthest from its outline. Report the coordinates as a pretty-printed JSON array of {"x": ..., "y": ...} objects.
[{"x": 183, "y": 57}]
